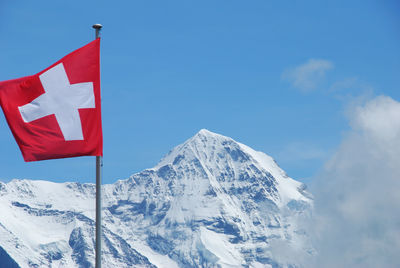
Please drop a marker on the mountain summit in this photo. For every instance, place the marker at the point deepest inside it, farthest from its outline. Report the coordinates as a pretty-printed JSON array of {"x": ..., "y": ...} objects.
[{"x": 210, "y": 202}]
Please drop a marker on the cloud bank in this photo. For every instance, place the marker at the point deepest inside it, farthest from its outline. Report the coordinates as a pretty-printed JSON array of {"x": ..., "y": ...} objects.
[
  {"x": 306, "y": 77},
  {"x": 357, "y": 195}
]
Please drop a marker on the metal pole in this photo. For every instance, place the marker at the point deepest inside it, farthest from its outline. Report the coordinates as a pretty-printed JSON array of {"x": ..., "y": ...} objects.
[
  {"x": 98, "y": 27},
  {"x": 98, "y": 212}
]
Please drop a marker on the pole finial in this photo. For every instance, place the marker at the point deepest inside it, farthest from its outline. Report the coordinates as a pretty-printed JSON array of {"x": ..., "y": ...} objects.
[{"x": 97, "y": 26}]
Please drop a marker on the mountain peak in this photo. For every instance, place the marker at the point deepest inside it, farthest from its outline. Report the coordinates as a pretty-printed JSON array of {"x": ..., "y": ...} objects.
[
  {"x": 205, "y": 133},
  {"x": 206, "y": 147},
  {"x": 203, "y": 143}
]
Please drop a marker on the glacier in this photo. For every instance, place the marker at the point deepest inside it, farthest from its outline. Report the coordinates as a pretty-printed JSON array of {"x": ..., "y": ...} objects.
[{"x": 210, "y": 202}]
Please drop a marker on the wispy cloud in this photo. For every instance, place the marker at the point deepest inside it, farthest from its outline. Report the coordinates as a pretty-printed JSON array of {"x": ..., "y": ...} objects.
[
  {"x": 357, "y": 216},
  {"x": 301, "y": 151},
  {"x": 350, "y": 87},
  {"x": 306, "y": 77},
  {"x": 345, "y": 84}
]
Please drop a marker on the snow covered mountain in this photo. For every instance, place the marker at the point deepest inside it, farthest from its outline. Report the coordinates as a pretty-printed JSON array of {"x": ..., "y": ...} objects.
[{"x": 210, "y": 202}]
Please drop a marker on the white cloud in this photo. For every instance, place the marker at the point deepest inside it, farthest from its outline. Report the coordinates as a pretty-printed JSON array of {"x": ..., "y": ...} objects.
[
  {"x": 379, "y": 118},
  {"x": 357, "y": 196},
  {"x": 308, "y": 76}
]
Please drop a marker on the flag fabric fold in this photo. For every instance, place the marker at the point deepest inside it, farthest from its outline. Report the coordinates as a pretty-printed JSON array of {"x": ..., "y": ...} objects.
[{"x": 56, "y": 113}]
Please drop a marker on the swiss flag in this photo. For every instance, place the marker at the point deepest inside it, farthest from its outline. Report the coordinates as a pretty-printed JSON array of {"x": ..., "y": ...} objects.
[{"x": 56, "y": 113}]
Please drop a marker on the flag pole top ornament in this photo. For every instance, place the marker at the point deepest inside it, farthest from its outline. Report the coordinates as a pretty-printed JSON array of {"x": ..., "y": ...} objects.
[{"x": 97, "y": 26}]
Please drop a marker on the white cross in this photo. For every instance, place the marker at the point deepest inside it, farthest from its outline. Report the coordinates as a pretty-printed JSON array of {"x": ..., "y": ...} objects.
[{"x": 61, "y": 99}]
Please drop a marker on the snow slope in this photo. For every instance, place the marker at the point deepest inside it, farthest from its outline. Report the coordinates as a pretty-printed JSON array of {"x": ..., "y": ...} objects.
[{"x": 210, "y": 202}]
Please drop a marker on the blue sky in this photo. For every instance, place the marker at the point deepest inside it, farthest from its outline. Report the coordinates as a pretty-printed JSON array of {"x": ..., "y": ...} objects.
[{"x": 275, "y": 76}]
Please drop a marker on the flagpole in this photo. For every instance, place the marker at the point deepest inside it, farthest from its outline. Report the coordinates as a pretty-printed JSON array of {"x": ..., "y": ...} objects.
[{"x": 98, "y": 27}]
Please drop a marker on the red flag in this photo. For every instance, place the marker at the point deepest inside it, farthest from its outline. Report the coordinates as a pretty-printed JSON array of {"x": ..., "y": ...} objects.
[{"x": 56, "y": 113}]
